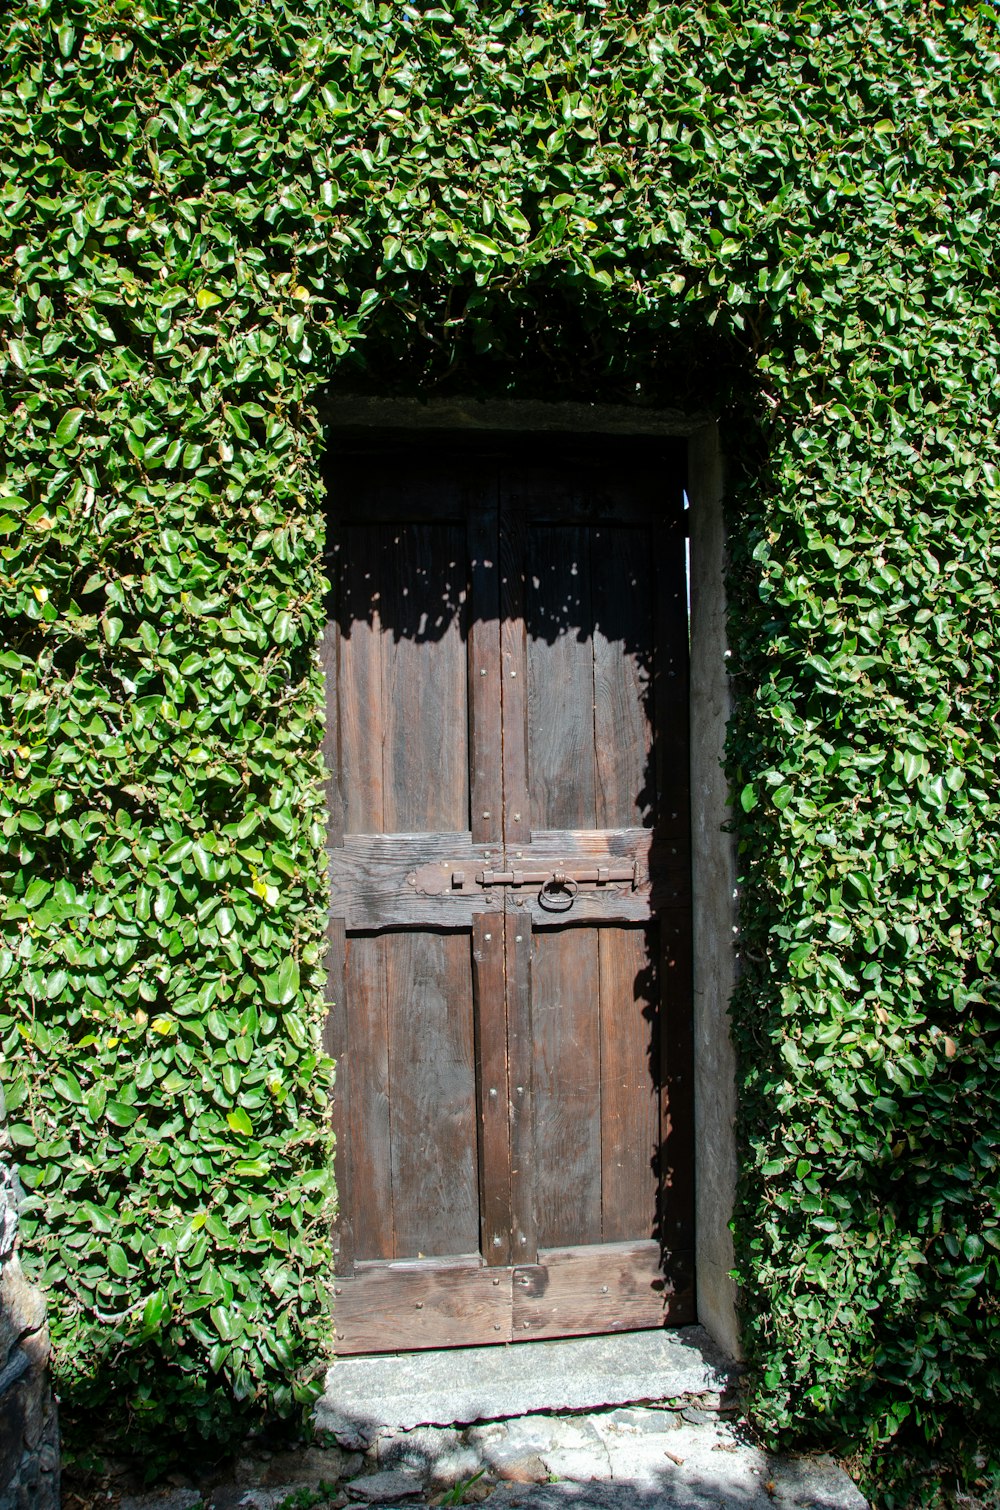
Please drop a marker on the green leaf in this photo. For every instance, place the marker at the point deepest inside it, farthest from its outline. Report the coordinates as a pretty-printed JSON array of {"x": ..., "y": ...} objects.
[
  {"x": 154, "y": 1310},
  {"x": 68, "y": 427},
  {"x": 120, "y": 1114},
  {"x": 66, "y": 1085},
  {"x": 117, "y": 1261},
  {"x": 282, "y": 986},
  {"x": 240, "y": 1122},
  {"x": 484, "y": 244}
]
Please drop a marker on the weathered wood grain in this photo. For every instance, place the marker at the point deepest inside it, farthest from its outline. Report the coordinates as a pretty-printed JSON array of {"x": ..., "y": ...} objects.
[
  {"x": 603, "y": 1287},
  {"x": 405, "y": 880},
  {"x": 425, "y": 756},
  {"x": 566, "y": 1086},
  {"x": 521, "y": 1055},
  {"x": 396, "y": 1307},
  {"x": 336, "y": 1043},
  {"x": 432, "y": 1075},
  {"x": 494, "y": 1095},
  {"x": 559, "y": 624},
  {"x": 329, "y": 653},
  {"x": 508, "y": 675},
  {"x": 370, "y": 887},
  {"x": 662, "y": 874},
  {"x": 623, "y": 676},
  {"x": 368, "y": 1135},
  {"x": 358, "y": 682},
  {"x": 671, "y": 690},
  {"x": 676, "y": 1034},
  {"x": 484, "y": 666},
  {"x": 630, "y": 1090},
  {"x": 514, "y": 675}
]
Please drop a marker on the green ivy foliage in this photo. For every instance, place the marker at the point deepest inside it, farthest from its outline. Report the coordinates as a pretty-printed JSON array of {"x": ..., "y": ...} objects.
[{"x": 209, "y": 213}]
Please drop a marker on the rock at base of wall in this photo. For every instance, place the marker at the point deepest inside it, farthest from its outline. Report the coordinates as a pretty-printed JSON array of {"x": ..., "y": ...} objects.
[{"x": 29, "y": 1427}]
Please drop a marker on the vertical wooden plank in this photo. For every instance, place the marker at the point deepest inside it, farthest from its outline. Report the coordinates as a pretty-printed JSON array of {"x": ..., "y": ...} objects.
[
  {"x": 336, "y": 1042},
  {"x": 630, "y": 1089},
  {"x": 559, "y": 623},
  {"x": 566, "y": 1088},
  {"x": 677, "y": 1084},
  {"x": 433, "y": 1080},
  {"x": 359, "y": 682},
  {"x": 676, "y": 1022},
  {"x": 622, "y": 569},
  {"x": 486, "y": 821},
  {"x": 485, "y": 733},
  {"x": 425, "y": 756},
  {"x": 368, "y": 1131},
  {"x": 329, "y": 658},
  {"x": 514, "y": 687},
  {"x": 517, "y": 953},
  {"x": 488, "y": 969},
  {"x": 335, "y": 1027},
  {"x": 671, "y": 671}
]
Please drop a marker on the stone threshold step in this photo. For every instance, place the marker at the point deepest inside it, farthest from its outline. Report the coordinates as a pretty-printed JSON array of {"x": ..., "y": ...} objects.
[{"x": 455, "y": 1386}]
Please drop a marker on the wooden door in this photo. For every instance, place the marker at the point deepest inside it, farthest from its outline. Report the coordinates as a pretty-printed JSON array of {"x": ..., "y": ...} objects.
[{"x": 510, "y": 915}]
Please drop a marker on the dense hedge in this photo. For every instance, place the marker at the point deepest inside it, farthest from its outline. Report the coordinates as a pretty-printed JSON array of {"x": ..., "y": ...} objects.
[{"x": 211, "y": 210}]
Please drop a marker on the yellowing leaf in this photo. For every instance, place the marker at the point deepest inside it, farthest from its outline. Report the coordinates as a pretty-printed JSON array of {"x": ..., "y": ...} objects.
[
  {"x": 240, "y": 1122},
  {"x": 205, "y": 298}
]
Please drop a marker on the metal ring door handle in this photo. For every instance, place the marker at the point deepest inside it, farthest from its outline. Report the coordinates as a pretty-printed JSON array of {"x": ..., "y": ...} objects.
[{"x": 558, "y": 893}]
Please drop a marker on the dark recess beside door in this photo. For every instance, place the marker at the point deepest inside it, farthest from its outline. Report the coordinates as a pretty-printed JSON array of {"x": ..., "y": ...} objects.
[{"x": 506, "y": 664}]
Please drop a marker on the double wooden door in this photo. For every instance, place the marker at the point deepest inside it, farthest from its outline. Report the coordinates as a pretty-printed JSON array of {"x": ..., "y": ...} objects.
[{"x": 509, "y": 937}]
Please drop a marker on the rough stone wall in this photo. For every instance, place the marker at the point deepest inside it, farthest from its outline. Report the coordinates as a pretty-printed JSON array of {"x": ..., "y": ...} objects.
[{"x": 29, "y": 1428}]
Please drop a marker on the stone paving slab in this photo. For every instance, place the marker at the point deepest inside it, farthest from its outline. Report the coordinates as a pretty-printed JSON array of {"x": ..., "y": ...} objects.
[
  {"x": 641, "y": 1458},
  {"x": 487, "y": 1383},
  {"x": 678, "y": 1444}
]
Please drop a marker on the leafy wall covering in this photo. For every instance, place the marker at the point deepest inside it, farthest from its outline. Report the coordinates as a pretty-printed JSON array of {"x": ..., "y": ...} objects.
[{"x": 210, "y": 213}]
